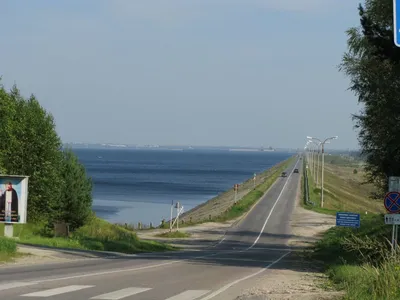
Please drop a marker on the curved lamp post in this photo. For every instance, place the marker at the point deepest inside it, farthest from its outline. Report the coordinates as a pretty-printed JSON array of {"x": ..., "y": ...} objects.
[{"x": 322, "y": 143}]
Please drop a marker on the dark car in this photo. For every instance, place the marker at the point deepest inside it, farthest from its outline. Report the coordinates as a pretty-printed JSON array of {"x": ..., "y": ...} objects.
[
  {"x": 284, "y": 174},
  {"x": 296, "y": 171}
]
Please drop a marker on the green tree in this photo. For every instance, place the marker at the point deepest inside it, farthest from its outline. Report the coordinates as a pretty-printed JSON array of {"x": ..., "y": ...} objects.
[
  {"x": 30, "y": 146},
  {"x": 372, "y": 65},
  {"x": 77, "y": 191}
]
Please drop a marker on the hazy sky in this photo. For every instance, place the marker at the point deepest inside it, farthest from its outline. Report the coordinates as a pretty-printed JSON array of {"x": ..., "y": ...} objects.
[{"x": 199, "y": 72}]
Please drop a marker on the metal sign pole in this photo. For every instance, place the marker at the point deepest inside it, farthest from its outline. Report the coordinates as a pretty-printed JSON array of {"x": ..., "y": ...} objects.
[
  {"x": 393, "y": 238},
  {"x": 177, "y": 216},
  {"x": 170, "y": 222}
]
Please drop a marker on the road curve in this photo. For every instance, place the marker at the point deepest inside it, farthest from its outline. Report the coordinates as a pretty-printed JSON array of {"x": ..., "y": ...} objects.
[{"x": 255, "y": 244}]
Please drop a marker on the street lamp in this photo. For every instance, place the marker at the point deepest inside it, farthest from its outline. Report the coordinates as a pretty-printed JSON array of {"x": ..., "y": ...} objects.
[
  {"x": 316, "y": 149},
  {"x": 322, "y": 143},
  {"x": 307, "y": 149},
  {"x": 316, "y": 174}
]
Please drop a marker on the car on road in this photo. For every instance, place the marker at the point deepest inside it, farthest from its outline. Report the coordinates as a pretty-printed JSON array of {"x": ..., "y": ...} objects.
[
  {"x": 284, "y": 174},
  {"x": 296, "y": 171}
]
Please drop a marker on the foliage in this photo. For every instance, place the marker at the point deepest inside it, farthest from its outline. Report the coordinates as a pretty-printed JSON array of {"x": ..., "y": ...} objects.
[
  {"x": 58, "y": 185},
  {"x": 372, "y": 64},
  {"x": 7, "y": 246},
  {"x": 76, "y": 197},
  {"x": 30, "y": 146}
]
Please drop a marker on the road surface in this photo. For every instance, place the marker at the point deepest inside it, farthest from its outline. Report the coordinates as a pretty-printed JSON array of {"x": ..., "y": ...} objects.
[{"x": 256, "y": 244}]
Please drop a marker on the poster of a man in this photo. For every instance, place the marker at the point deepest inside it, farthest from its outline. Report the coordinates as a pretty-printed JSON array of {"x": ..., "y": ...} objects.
[
  {"x": 9, "y": 204},
  {"x": 13, "y": 198}
]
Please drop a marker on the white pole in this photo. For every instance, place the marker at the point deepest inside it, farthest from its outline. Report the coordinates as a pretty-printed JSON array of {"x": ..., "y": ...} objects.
[
  {"x": 170, "y": 222},
  {"x": 322, "y": 177},
  {"x": 393, "y": 229},
  {"x": 177, "y": 216},
  {"x": 312, "y": 160},
  {"x": 318, "y": 164},
  {"x": 315, "y": 165}
]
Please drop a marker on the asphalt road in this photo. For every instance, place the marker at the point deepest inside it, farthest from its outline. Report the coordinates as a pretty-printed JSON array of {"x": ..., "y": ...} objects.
[{"x": 256, "y": 244}]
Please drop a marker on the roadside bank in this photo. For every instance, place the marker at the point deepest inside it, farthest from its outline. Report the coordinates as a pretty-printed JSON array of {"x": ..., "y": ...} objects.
[{"x": 208, "y": 222}]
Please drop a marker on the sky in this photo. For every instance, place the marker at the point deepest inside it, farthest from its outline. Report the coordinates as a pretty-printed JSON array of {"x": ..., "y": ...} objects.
[{"x": 184, "y": 72}]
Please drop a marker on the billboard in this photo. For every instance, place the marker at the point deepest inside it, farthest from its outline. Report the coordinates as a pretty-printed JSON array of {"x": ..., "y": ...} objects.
[{"x": 13, "y": 198}]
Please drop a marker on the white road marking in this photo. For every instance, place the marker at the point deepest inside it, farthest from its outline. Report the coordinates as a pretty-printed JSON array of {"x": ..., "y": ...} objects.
[
  {"x": 12, "y": 285},
  {"x": 189, "y": 295},
  {"x": 117, "y": 270},
  {"x": 273, "y": 207},
  {"x": 224, "y": 288},
  {"x": 240, "y": 259},
  {"x": 273, "y": 249},
  {"x": 58, "y": 291},
  {"x": 120, "y": 294},
  {"x": 223, "y": 239}
]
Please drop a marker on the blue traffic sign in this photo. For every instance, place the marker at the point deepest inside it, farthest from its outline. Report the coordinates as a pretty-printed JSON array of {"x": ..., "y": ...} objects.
[
  {"x": 392, "y": 202},
  {"x": 346, "y": 219},
  {"x": 396, "y": 22}
]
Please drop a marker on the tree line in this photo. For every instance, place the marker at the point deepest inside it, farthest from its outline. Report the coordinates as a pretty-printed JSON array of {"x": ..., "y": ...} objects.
[
  {"x": 59, "y": 189},
  {"x": 372, "y": 63}
]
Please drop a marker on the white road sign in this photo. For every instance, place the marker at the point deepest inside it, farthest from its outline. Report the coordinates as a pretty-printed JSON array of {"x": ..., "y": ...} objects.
[
  {"x": 392, "y": 219},
  {"x": 394, "y": 184}
]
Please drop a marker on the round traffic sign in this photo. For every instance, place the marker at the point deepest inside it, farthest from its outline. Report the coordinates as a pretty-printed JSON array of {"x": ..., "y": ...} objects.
[{"x": 392, "y": 202}]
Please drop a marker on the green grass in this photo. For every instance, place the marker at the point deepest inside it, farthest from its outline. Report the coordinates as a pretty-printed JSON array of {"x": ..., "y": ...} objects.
[
  {"x": 249, "y": 200},
  {"x": 344, "y": 190},
  {"x": 358, "y": 261},
  {"x": 96, "y": 235},
  {"x": 8, "y": 249},
  {"x": 174, "y": 234}
]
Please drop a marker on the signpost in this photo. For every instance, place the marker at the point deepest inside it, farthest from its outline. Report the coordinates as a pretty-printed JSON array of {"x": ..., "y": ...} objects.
[
  {"x": 396, "y": 23},
  {"x": 346, "y": 219},
  {"x": 235, "y": 188},
  {"x": 254, "y": 180},
  {"x": 392, "y": 202},
  {"x": 392, "y": 198}
]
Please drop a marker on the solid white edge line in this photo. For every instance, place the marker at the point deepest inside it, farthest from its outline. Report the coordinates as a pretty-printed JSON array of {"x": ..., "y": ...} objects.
[
  {"x": 273, "y": 207},
  {"x": 224, "y": 288}
]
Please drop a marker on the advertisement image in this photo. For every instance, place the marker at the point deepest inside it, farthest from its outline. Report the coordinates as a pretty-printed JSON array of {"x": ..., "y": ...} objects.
[{"x": 13, "y": 199}]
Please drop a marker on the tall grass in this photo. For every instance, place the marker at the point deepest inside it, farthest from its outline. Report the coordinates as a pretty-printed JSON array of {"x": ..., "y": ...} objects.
[{"x": 361, "y": 261}]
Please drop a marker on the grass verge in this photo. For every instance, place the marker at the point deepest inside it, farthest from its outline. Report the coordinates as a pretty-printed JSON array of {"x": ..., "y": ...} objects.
[
  {"x": 221, "y": 208},
  {"x": 174, "y": 235},
  {"x": 8, "y": 249},
  {"x": 96, "y": 235},
  {"x": 358, "y": 261},
  {"x": 249, "y": 200}
]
